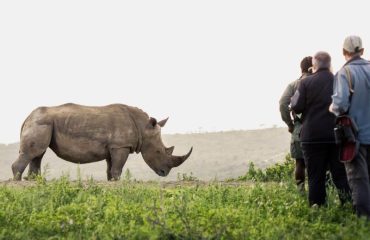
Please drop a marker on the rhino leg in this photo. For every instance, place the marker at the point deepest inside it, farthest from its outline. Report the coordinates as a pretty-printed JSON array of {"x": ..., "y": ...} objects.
[
  {"x": 19, "y": 166},
  {"x": 109, "y": 168},
  {"x": 35, "y": 139},
  {"x": 118, "y": 159},
  {"x": 34, "y": 168}
]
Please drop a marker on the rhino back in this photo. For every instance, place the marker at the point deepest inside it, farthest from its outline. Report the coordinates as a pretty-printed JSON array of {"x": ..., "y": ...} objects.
[{"x": 84, "y": 134}]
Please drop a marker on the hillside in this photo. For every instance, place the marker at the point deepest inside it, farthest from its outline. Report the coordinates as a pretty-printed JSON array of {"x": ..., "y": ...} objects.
[{"x": 217, "y": 155}]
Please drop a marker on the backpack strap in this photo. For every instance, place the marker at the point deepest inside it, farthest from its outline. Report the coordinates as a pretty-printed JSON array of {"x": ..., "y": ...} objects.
[{"x": 349, "y": 79}]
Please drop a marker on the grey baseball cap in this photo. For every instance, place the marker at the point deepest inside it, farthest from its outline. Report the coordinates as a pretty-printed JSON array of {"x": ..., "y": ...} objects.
[{"x": 352, "y": 44}]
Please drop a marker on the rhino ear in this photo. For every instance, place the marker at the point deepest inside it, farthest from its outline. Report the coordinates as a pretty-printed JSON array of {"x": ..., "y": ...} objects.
[
  {"x": 152, "y": 123},
  {"x": 163, "y": 122}
]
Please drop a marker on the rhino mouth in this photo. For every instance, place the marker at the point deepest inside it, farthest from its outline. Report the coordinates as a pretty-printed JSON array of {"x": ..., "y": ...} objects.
[{"x": 162, "y": 173}]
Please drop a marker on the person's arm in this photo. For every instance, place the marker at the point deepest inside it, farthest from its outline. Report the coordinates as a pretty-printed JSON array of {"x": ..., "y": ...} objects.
[
  {"x": 284, "y": 106},
  {"x": 341, "y": 94},
  {"x": 298, "y": 101}
]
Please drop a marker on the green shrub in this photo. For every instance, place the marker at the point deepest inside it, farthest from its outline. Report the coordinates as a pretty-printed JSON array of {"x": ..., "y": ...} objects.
[
  {"x": 186, "y": 177},
  {"x": 278, "y": 172},
  {"x": 268, "y": 208},
  {"x": 130, "y": 210}
]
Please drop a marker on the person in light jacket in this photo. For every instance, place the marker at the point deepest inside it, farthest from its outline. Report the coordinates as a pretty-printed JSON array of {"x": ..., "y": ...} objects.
[{"x": 357, "y": 106}]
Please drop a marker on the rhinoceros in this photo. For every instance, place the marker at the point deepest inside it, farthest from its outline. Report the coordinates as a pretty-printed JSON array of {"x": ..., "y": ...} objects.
[{"x": 84, "y": 134}]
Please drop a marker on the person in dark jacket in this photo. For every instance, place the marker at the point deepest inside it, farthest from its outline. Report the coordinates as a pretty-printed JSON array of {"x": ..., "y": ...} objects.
[
  {"x": 294, "y": 124},
  {"x": 320, "y": 152}
]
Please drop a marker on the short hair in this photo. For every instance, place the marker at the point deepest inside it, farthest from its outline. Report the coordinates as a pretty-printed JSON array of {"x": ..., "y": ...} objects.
[
  {"x": 321, "y": 60},
  {"x": 358, "y": 53},
  {"x": 306, "y": 64}
]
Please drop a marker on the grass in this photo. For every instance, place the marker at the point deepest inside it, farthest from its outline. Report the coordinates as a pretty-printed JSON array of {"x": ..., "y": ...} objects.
[{"x": 62, "y": 209}]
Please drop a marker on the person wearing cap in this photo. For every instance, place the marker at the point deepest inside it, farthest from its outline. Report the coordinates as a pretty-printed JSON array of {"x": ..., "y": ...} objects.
[
  {"x": 312, "y": 100},
  {"x": 294, "y": 124},
  {"x": 352, "y": 96}
]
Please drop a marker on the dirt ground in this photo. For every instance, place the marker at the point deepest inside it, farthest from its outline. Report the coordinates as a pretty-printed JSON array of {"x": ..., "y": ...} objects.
[{"x": 216, "y": 156}]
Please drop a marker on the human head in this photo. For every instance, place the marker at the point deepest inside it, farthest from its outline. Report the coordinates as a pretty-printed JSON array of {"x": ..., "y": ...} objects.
[
  {"x": 352, "y": 47},
  {"x": 321, "y": 60},
  {"x": 306, "y": 64}
]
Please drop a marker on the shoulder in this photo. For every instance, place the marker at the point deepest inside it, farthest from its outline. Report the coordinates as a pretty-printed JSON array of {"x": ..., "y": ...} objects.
[
  {"x": 342, "y": 70},
  {"x": 306, "y": 80},
  {"x": 342, "y": 73},
  {"x": 292, "y": 84},
  {"x": 329, "y": 74},
  {"x": 357, "y": 63}
]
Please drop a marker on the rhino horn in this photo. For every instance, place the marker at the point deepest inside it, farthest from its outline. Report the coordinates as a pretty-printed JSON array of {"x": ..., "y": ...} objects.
[
  {"x": 169, "y": 150},
  {"x": 162, "y": 122},
  {"x": 178, "y": 160}
]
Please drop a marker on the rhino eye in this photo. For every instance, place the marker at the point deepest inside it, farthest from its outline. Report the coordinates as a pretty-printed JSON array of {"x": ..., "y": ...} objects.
[{"x": 158, "y": 151}]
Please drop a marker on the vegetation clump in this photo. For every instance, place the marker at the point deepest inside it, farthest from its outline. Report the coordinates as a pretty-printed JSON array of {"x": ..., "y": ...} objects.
[
  {"x": 276, "y": 173},
  {"x": 269, "y": 207}
]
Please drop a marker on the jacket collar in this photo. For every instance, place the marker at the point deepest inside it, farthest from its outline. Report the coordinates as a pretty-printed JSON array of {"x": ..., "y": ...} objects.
[
  {"x": 352, "y": 59},
  {"x": 322, "y": 69}
]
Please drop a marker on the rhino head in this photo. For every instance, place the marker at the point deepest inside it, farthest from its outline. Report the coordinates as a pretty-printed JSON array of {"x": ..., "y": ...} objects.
[{"x": 155, "y": 153}]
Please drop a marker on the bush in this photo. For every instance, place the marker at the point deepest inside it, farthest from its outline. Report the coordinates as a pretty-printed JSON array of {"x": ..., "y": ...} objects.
[
  {"x": 130, "y": 210},
  {"x": 280, "y": 172}
]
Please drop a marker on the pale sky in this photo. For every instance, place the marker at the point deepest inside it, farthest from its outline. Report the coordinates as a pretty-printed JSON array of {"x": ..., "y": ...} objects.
[{"x": 208, "y": 65}]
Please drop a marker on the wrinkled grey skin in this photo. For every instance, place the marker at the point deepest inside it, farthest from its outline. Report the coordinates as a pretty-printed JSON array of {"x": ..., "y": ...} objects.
[{"x": 82, "y": 134}]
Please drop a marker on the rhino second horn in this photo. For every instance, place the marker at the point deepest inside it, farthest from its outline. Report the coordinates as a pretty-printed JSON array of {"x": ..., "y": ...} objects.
[
  {"x": 178, "y": 160},
  {"x": 169, "y": 150}
]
